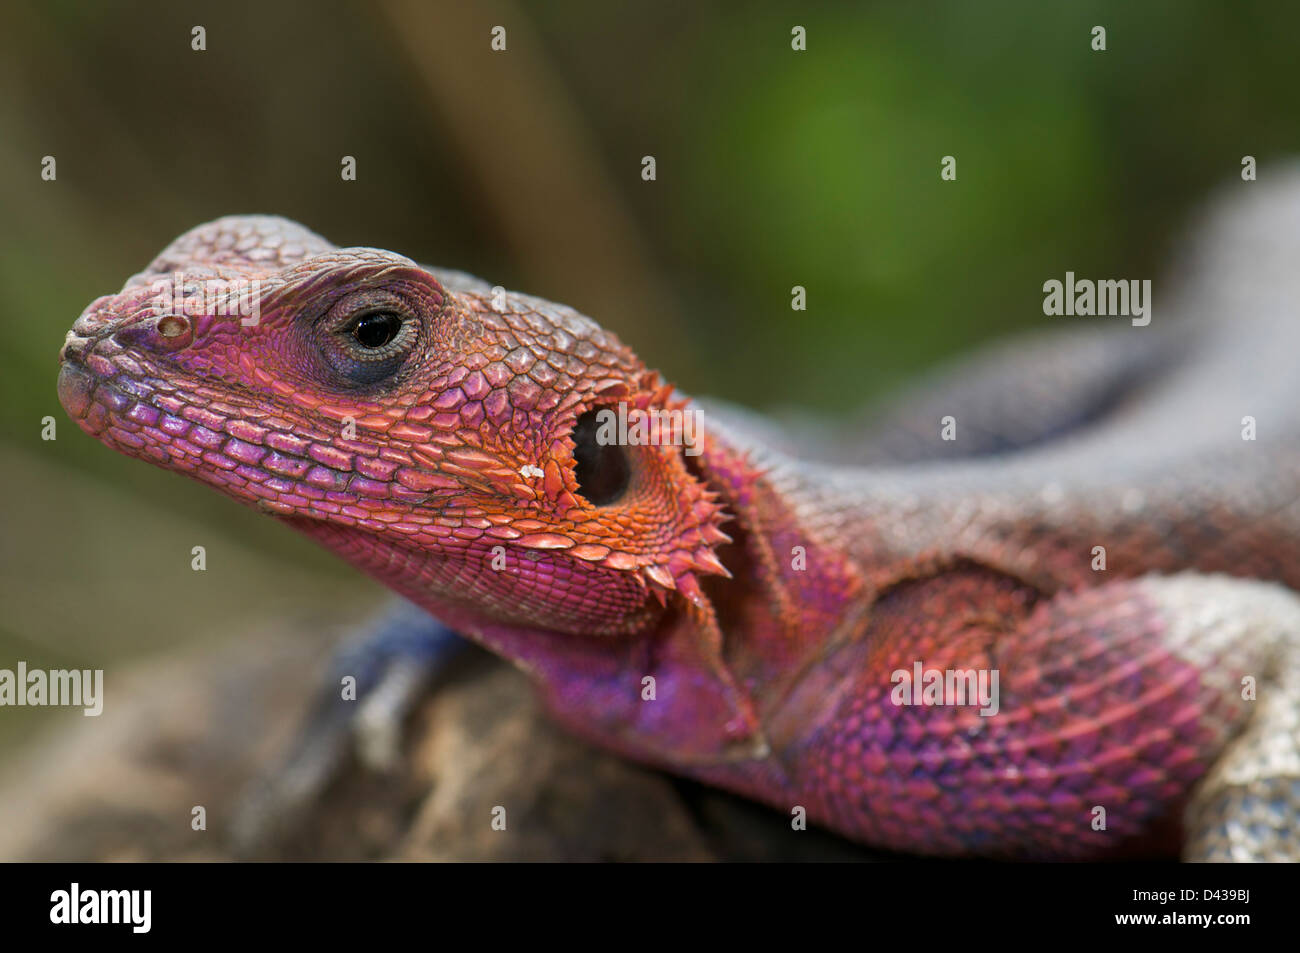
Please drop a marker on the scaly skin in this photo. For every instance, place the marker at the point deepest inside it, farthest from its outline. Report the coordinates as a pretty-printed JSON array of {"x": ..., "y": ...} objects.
[{"x": 1120, "y": 689}]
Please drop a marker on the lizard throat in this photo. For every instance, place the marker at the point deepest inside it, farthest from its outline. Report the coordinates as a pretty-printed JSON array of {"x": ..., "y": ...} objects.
[{"x": 496, "y": 583}]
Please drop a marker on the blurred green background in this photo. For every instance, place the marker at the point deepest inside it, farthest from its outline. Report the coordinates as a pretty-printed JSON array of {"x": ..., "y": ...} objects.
[{"x": 775, "y": 168}]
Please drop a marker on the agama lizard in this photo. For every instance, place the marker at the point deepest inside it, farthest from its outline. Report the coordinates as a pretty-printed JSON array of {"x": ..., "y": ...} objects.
[{"x": 1103, "y": 535}]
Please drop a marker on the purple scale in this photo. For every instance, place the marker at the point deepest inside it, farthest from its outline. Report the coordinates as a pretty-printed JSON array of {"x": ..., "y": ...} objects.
[
  {"x": 133, "y": 387},
  {"x": 375, "y": 469},
  {"x": 524, "y": 393},
  {"x": 286, "y": 443},
  {"x": 475, "y": 385},
  {"x": 218, "y": 460},
  {"x": 288, "y": 466},
  {"x": 101, "y": 365},
  {"x": 450, "y": 399},
  {"x": 127, "y": 437},
  {"x": 323, "y": 477},
  {"x": 244, "y": 452},
  {"x": 330, "y": 456},
  {"x": 143, "y": 414},
  {"x": 363, "y": 487},
  {"x": 245, "y": 431},
  {"x": 207, "y": 438},
  {"x": 107, "y": 396},
  {"x": 204, "y": 417}
]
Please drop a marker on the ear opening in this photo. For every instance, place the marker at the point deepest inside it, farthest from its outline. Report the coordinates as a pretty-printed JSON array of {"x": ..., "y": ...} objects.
[{"x": 602, "y": 468}]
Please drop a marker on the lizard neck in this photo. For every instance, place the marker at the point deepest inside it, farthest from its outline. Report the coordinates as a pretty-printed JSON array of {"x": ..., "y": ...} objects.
[{"x": 794, "y": 593}]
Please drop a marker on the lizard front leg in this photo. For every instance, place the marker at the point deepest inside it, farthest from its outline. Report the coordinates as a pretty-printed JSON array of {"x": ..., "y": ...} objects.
[{"x": 390, "y": 667}]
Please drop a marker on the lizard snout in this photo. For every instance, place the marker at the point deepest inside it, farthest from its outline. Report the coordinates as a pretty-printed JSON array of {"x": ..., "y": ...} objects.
[{"x": 76, "y": 389}]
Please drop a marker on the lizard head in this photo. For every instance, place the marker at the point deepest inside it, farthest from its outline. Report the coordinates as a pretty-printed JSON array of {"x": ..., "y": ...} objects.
[{"x": 449, "y": 438}]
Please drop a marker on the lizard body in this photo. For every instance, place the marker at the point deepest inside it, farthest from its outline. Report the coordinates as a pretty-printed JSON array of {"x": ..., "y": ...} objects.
[{"x": 739, "y": 616}]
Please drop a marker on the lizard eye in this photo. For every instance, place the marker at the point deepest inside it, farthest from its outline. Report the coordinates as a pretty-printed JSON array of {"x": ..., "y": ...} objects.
[
  {"x": 367, "y": 341},
  {"x": 601, "y": 468},
  {"x": 376, "y": 329}
]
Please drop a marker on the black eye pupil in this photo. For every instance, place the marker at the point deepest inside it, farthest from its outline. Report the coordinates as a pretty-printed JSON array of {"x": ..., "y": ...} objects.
[
  {"x": 601, "y": 469},
  {"x": 376, "y": 330}
]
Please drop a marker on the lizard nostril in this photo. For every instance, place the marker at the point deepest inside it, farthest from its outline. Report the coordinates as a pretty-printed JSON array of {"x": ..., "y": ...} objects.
[
  {"x": 172, "y": 325},
  {"x": 168, "y": 332}
]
